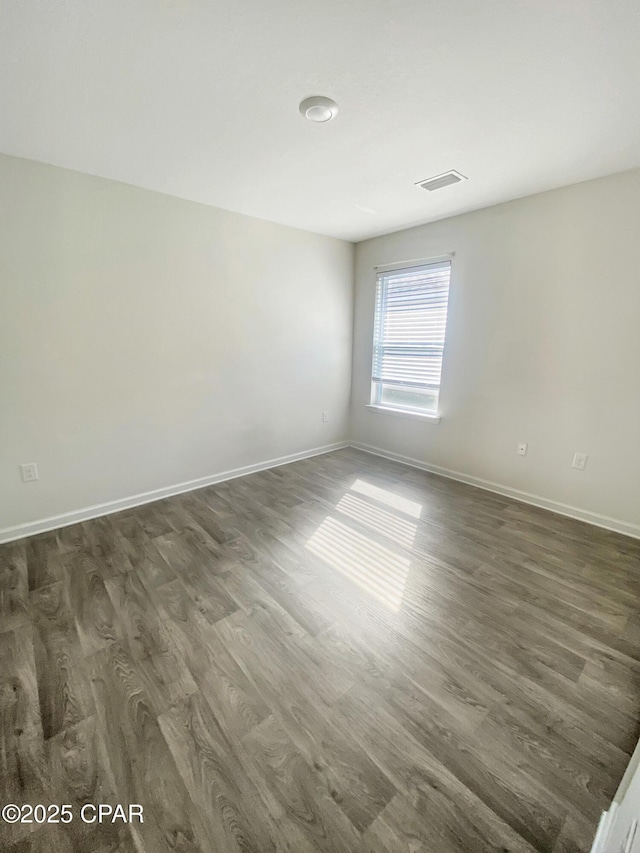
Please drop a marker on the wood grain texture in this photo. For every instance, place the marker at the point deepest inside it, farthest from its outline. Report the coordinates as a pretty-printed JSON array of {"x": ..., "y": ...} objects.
[
  {"x": 62, "y": 676},
  {"x": 341, "y": 654},
  {"x": 14, "y": 585},
  {"x": 23, "y": 768},
  {"x": 78, "y": 766},
  {"x": 227, "y": 803}
]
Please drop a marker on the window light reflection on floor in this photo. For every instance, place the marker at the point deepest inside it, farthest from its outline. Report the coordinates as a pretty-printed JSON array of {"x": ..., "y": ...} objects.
[
  {"x": 379, "y": 564},
  {"x": 391, "y": 526},
  {"x": 396, "y": 501}
]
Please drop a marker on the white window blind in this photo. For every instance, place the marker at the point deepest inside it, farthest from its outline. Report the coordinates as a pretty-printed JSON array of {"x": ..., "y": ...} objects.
[{"x": 409, "y": 332}]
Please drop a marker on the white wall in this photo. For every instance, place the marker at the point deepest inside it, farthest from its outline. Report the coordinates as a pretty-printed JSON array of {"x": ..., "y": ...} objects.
[
  {"x": 147, "y": 341},
  {"x": 543, "y": 346}
]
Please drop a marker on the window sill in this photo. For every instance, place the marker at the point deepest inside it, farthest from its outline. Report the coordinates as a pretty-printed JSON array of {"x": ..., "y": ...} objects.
[{"x": 403, "y": 413}]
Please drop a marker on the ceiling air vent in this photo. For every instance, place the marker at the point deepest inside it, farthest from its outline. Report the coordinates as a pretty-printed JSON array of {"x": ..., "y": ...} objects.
[{"x": 440, "y": 181}]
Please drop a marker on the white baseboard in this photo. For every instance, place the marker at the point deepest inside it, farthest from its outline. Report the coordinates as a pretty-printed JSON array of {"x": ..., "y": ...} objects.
[
  {"x": 9, "y": 534},
  {"x": 20, "y": 531},
  {"x": 586, "y": 515},
  {"x": 604, "y": 828}
]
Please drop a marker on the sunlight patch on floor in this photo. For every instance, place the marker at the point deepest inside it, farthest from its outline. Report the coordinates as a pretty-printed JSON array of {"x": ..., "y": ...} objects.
[
  {"x": 378, "y": 563},
  {"x": 384, "y": 496},
  {"x": 387, "y": 524}
]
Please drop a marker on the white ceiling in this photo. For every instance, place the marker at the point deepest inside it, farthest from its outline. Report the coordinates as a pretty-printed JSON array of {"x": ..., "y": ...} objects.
[{"x": 199, "y": 99}]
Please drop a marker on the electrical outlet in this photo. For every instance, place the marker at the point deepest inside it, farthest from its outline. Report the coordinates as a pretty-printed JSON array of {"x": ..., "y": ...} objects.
[
  {"x": 325, "y": 417},
  {"x": 579, "y": 461},
  {"x": 522, "y": 448},
  {"x": 29, "y": 472}
]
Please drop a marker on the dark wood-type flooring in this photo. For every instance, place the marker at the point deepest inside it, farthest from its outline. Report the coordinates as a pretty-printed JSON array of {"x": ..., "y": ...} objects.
[{"x": 341, "y": 654}]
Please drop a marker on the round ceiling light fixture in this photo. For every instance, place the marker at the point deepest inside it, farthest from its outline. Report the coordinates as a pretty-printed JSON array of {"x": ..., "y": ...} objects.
[{"x": 319, "y": 109}]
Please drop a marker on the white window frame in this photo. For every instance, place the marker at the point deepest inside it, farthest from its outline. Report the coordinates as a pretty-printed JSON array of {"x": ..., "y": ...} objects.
[{"x": 376, "y": 404}]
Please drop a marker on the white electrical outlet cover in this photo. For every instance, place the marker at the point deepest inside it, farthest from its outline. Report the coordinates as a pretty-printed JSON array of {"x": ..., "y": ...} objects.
[
  {"x": 579, "y": 461},
  {"x": 29, "y": 472}
]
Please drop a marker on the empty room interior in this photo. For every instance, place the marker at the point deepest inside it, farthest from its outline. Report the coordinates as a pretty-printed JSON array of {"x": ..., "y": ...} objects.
[{"x": 320, "y": 426}]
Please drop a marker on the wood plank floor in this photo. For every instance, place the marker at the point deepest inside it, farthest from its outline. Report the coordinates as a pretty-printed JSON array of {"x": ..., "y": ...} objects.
[{"x": 341, "y": 654}]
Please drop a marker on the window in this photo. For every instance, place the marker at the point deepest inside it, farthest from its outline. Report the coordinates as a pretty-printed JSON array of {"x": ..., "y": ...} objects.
[{"x": 408, "y": 338}]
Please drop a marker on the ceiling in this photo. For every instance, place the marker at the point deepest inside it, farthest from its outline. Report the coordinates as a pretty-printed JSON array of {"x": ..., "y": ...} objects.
[{"x": 199, "y": 99}]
